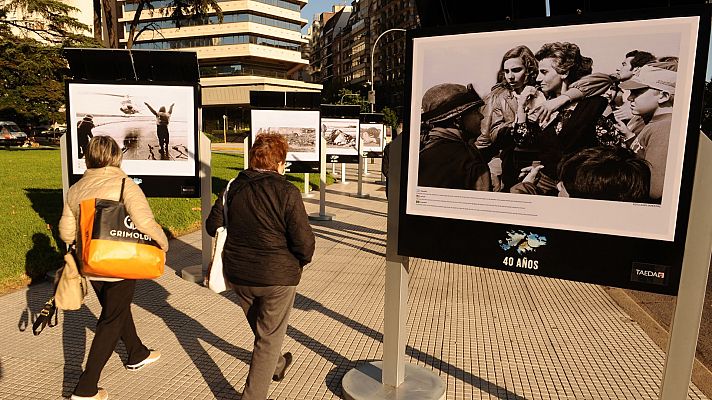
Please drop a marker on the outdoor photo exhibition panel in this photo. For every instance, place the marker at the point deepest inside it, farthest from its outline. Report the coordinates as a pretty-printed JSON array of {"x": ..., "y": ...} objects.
[
  {"x": 581, "y": 199},
  {"x": 299, "y": 127},
  {"x": 341, "y": 135},
  {"x": 372, "y": 138},
  {"x": 155, "y": 125}
]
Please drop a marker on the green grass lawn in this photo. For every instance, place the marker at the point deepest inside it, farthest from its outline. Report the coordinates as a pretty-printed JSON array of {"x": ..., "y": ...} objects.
[{"x": 31, "y": 202}]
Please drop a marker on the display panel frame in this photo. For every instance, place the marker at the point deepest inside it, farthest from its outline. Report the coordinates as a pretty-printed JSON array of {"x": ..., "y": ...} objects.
[
  {"x": 611, "y": 256},
  {"x": 117, "y": 109},
  {"x": 305, "y": 119}
]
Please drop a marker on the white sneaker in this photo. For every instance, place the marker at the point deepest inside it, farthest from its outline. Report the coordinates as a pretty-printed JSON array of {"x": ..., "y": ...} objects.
[
  {"x": 152, "y": 357},
  {"x": 102, "y": 394}
]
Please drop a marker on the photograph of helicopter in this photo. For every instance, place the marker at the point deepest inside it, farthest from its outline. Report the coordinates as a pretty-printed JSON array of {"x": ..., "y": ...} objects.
[{"x": 149, "y": 122}]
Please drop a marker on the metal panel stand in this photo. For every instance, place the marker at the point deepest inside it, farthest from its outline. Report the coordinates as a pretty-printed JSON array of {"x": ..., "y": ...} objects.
[
  {"x": 685, "y": 325},
  {"x": 359, "y": 183},
  {"x": 322, "y": 215},
  {"x": 197, "y": 273},
  {"x": 393, "y": 378},
  {"x": 307, "y": 194}
]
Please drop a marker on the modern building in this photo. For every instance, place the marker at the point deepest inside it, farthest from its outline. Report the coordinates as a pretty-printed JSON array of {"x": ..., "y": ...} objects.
[
  {"x": 342, "y": 42},
  {"x": 257, "y": 46}
]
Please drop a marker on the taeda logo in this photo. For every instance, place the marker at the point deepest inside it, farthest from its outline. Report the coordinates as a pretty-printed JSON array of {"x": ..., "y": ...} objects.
[
  {"x": 649, "y": 273},
  {"x": 523, "y": 243}
]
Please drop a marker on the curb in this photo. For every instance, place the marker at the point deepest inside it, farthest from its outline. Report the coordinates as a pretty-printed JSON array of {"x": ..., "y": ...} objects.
[{"x": 701, "y": 375}]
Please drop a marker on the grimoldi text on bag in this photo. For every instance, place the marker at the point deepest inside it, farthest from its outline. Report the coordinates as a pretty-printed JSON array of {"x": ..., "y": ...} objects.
[{"x": 127, "y": 234}]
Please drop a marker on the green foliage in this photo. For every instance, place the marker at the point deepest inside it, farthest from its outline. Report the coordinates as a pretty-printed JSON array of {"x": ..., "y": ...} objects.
[
  {"x": 48, "y": 20},
  {"x": 31, "y": 88},
  {"x": 390, "y": 117},
  {"x": 346, "y": 96},
  {"x": 32, "y": 207}
]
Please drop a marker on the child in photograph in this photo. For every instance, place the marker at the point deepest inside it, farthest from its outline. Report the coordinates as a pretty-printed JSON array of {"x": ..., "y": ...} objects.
[
  {"x": 450, "y": 122},
  {"x": 84, "y": 134},
  {"x": 599, "y": 173},
  {"x": 652, "y": 95},
  {"x": 162, "y": 119}
]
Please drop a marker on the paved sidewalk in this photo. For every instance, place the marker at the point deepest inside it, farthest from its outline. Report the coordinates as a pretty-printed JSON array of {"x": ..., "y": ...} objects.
[{"x": 488, "y": 334}]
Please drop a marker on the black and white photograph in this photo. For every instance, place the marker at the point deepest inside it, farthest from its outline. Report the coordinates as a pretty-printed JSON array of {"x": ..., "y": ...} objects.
[
  {"x": 341, "y": 136},
  {"x": 371, "y": 137},
  {"x": 300, "y": 128},
  {"x": 572, "y": 127},
  {"x": 153, "y": 124}
]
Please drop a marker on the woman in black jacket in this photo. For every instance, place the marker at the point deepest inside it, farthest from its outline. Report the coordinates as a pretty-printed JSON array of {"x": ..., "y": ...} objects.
[{"x": 269, "y": 241}]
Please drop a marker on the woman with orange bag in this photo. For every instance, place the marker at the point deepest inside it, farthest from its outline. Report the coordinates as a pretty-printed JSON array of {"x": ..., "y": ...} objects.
[{"x": 104, "y": 179}]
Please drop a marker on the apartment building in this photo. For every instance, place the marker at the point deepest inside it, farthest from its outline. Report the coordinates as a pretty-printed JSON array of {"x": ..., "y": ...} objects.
[
  {"x": 342, "y": 43},
  {"x": 258, "y": 46}
]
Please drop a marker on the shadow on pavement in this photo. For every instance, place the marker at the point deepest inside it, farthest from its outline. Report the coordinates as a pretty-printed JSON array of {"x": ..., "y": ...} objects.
[
  {"x": 345, "y": 207},
  {"x": 306, "y": 304},
  {"x": 328, "y": 235},
  {"x": 154, "y": 298}
]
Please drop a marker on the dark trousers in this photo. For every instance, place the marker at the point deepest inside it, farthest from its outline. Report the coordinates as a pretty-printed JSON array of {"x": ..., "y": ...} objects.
[
  {"x": 267, "y": 310},
  {"x": 163, "y": 136},
  {"x": 115, "y": 322}
]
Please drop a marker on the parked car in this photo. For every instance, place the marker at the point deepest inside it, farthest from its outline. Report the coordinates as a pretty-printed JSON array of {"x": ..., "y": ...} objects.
[
  {"x": 11, "y": 134},
  {"x": 50, "y": 136}
]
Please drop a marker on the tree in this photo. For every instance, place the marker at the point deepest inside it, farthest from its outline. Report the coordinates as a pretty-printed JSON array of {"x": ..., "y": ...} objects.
[
  {"x": 346, "y": 96},
  {"x": 179, "y": 12},
  {"x": 31, "y": 81},
  {"x": 45, "y": 20},
  {"x": 390, "y": 117}
]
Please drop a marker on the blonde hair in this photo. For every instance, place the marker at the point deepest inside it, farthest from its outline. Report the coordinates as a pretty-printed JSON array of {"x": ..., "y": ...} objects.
[{"x": 103, "y": 151}]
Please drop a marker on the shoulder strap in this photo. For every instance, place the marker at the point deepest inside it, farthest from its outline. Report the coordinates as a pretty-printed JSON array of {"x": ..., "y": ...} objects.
[
  {"x": 121, "y": 196},
  {"x": 225, "y": 202}
]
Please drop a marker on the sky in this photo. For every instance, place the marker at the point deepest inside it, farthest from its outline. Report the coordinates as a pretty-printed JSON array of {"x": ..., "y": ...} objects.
[{"x": 317, "y": 7}]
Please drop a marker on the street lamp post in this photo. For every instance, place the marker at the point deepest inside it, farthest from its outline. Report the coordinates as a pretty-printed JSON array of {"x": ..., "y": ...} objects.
[
  {"x": 372, "y": 93},
  {"x": 225, "y": 128}
]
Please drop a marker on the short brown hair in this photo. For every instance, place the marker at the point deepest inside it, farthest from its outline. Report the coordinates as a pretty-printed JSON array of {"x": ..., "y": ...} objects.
[
  {"x": 268, "y": 151},
  {"x": 103, "y": 151}
]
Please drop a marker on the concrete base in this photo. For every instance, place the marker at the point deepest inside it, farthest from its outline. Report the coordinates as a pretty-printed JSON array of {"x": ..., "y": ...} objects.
[
  {"x": 360, "y": 196},
  {"x": 380, "y": 182},
  {"x": 194, "y": 274},
  {"x": 309, "y": 195},
  {"x": 320, "y": 217},
  {"x": 364, "y": 383}
]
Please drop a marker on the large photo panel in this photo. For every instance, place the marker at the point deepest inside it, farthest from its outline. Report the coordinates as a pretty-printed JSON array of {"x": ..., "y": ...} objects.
[
  {"x": 155, "y": 125},
  {"x": 560, "y": 147},
  {"x": 300, "y": 128},
  {"x": 619, "y": 115}
]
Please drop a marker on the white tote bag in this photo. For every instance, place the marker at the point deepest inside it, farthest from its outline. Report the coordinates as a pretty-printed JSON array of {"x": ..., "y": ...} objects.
[{"x": 216, "y": 279}]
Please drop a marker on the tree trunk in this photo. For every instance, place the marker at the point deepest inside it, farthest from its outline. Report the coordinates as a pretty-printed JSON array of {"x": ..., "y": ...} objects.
[
  {"x": 111, "y": 19},
  {"x": 97, "y": 20},
  {"x": 134, "y": 23}
]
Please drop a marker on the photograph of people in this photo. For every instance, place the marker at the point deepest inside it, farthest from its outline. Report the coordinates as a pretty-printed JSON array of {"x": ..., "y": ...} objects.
[
  {"x": 154, "y": 125},
  {"x": 84, "y": 133},
  {"x": 163, "y": 117},
  {"x": 451, "y": 121},
  {"x": 549, "y": 94}
]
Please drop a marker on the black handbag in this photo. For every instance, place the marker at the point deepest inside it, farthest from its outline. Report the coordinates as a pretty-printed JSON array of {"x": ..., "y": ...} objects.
[{"x": 45, "y": 317}]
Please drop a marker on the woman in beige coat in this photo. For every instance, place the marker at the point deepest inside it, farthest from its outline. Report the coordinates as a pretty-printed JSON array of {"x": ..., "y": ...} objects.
[{"x": 103, "y": 179}]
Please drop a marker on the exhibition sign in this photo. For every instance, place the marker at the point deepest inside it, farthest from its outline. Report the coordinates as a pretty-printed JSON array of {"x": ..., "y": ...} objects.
[
  {"x": 299, "y": 127},
  {"x": 341, "y": 135},
  {"x": 156, "y": 126},
  {"x": 372, "y": 138},
  {"x": 597, "y": 191}
]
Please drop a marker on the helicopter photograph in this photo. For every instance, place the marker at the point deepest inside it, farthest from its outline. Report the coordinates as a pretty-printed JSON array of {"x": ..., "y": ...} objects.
[{"x": 149, "y": 122}]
